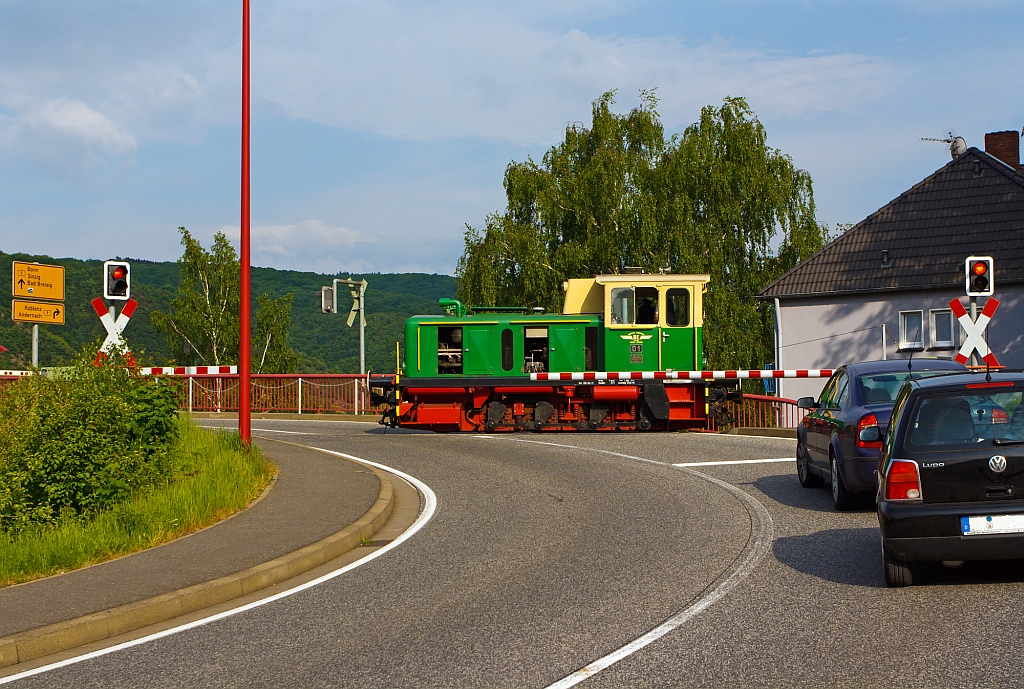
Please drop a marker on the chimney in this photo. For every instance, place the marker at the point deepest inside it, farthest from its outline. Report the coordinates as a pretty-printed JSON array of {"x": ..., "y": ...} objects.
[{"x": 1005, "y": 146}]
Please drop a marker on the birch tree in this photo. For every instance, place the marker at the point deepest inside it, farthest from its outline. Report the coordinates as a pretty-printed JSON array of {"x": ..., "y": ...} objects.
[
  {"x": 714, "y": 199},
  {"x": 202, "y": 322}
]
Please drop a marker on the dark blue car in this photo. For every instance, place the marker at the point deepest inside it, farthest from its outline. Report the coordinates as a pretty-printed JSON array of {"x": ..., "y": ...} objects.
[{"x": 841, "y": 436}]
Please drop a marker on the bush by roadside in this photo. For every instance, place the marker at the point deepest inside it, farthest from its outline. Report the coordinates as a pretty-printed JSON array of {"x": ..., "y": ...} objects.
[
  {"x": 95, "y": 462},
  {"x": 81, "y": 441},
  {"x": 209, "y": 477}
]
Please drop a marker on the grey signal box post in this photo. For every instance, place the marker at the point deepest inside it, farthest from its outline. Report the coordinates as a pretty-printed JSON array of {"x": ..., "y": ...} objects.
[{"x": 329, "y": 304}]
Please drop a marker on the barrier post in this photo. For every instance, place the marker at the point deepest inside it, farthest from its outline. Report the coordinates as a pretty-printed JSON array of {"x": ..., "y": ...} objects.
[
  {"x": 190, "y": 395},
  {"x": 300, "y": 395}
]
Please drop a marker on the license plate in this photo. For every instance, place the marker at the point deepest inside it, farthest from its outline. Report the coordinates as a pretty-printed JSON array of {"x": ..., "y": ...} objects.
[{"x": 994, "y": 524}]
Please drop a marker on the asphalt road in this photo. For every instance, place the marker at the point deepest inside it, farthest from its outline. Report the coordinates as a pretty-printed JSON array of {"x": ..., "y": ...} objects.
[{"x": 548, "y": 552}]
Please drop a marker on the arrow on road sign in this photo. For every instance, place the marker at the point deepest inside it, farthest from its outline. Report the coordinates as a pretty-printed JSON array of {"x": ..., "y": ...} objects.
[{"x": 975, "y": 331}]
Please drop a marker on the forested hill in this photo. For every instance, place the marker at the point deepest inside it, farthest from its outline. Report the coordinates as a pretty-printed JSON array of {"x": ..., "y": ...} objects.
[{"x": 325, "y": 342}]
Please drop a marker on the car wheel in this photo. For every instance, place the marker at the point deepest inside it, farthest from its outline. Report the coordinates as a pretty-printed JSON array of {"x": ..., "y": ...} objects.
[
  {"x": 803, "y": 470},
  {"x": 897, "y": 572},
  {"x": 842, "y": 498}
]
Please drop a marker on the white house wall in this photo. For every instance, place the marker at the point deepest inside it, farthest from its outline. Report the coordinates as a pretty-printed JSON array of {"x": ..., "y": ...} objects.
[{"x": 829, "y": 331}]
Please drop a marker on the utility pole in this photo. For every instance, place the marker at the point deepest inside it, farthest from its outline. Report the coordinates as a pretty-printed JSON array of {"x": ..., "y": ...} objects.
[{"x": 244, "y": 365}]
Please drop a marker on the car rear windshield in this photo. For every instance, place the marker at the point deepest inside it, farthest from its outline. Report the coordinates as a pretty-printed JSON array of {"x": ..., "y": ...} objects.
[
  {"x": 882, "y": 387},
  {"x": 953, "y": 420}
]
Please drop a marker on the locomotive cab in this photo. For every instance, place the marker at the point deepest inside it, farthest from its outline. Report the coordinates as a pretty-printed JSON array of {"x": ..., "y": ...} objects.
[{"x": 652, "y": 322}]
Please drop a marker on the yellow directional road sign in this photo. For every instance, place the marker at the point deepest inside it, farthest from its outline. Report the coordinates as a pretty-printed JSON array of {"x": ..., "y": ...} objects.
[
  {"x": 37, "y": 312},
  {"x": 37, "y": 280}
]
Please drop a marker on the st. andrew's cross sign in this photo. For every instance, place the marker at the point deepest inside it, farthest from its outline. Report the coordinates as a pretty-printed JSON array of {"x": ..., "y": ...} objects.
[
  {"x": 114, "y": 328},
  {"x": 975, "y": 331}
]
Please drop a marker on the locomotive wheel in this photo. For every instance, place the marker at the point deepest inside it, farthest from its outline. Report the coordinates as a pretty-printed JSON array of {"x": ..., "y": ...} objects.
[
  {"x": 644, "y": 424},
  {"x": 582, "y": 425}
]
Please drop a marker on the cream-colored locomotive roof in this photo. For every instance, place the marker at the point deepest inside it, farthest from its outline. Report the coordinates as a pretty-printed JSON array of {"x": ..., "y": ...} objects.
[{"x": 586, "y": 295}]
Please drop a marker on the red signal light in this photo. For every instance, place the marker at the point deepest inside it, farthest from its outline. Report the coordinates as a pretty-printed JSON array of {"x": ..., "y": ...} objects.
[
  {"x": 118, "y": 273},
  {"x": 902, "y": 481},
  {"x": 979, "y": 268}
]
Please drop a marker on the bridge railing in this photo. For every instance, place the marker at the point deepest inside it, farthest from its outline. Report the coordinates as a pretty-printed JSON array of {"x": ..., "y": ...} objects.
[{"x": 757, "y": 411}]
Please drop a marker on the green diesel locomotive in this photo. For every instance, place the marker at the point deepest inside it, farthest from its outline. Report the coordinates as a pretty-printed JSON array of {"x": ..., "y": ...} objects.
[{"x": 605, "y": 363}]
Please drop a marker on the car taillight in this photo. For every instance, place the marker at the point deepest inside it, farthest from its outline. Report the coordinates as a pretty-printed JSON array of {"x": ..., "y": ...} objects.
[
  {"x": 902, "y": 481},
  {"x": 869, "y": 435},
  {"x": 1000, "y": 416}
]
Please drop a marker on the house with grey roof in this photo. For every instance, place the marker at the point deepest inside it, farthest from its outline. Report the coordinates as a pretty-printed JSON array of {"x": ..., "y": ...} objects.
[{"x": 882, "y": 289}]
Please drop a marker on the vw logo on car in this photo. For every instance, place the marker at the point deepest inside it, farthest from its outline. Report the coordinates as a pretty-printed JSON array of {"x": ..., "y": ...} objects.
[{"x": 997, "y": 464}]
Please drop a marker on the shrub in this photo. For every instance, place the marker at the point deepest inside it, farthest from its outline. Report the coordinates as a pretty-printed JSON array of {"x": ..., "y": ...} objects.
[{"x": 82, "y": 441}]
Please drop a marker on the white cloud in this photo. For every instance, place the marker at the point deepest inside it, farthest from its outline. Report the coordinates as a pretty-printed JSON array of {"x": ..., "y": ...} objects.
[
  {"x": 307, "y": 245},
  {"x": 76, "y": 120},
  {"x": 63, "y": 135},
  {"x": 414, "y": 73}
]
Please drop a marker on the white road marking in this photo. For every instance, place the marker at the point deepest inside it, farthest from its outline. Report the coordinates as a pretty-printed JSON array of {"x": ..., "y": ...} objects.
[
  {"x": 734, "y": 461},
  {"x": 762, "y": 542},
  {"x": 430, "y": 505},
  {"x": 271, "y": 430}
]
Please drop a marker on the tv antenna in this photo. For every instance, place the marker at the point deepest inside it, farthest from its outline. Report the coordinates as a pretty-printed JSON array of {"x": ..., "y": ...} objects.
[{"x": 957, "y": 144}]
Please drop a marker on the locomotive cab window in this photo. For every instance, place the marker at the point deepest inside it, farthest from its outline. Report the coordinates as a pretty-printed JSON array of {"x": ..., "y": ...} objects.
[
  {"x": 646, "y": 306},
  {"x": 506, "y": 349},
  {"x": 634, "y": 305},
  {"x": 677, "y": 307},
  {"x": 535, "y": 349},
  {"x": 622, "y": 306},
  {"x": 449, "y": 350}
]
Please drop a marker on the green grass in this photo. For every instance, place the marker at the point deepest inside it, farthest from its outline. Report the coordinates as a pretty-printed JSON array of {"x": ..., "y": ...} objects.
[{"x": 212, "y": 479}]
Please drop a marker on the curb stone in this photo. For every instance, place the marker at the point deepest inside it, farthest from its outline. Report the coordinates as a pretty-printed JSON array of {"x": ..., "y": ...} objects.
[{"x": 62, "y": 636}]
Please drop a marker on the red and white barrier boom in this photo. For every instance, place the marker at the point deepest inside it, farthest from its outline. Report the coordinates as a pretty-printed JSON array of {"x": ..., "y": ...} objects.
[
  {"x": 187, "y": 370},
  {"x": 684, "y": 375}
]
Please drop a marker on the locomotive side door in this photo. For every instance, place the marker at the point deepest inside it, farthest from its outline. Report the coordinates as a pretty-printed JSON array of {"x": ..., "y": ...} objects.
[
  {"x": 477, "y": 345},
  {"x": 678, "y": 335},
  {"x": 566, "y": 348}
]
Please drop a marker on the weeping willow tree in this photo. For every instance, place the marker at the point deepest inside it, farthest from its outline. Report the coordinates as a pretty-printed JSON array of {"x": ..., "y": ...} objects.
[{"x": 714, "y": 199}]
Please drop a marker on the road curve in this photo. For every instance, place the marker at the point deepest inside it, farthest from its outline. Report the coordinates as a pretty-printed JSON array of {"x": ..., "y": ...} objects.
[{"x": 542, "y": 559}]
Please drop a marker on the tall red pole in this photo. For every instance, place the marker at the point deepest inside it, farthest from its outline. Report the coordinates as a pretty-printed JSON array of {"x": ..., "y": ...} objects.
[{"x": 244, "y": 390}]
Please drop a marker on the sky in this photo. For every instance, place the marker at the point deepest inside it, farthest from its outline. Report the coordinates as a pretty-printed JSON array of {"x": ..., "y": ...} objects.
[{"x": 381, "y": 129}]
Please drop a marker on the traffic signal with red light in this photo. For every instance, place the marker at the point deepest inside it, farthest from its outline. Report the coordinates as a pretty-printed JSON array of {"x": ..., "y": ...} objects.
[
  {"x": 981, "y": 279},
  {"x": 117, "y": 280}
]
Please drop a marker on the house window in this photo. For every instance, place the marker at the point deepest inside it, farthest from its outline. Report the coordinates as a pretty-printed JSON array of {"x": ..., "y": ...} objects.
[
  {"x": 942, "y": 328},
  {"x": 911, "y": 330}
]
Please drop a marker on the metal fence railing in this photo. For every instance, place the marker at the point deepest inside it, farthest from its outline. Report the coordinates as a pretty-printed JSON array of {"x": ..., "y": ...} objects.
[
  {"x": 298, "y": 393},
  {"x": 757, "y": 411}
]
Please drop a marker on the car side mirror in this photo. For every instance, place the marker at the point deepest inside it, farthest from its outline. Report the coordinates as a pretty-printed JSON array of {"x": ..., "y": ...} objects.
[
  {"x": 871, "y": 434},
  {"x": 806, "y": 403}
]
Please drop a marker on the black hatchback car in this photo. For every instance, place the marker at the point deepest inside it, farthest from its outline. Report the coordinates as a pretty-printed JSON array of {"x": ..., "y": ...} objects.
[
  {"x": 951, "y": 481},
  {"x": 839, "y": 440}
]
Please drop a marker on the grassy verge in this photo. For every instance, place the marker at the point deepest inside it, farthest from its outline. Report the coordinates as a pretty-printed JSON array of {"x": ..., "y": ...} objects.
[{"x": 211, "y": 478}]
